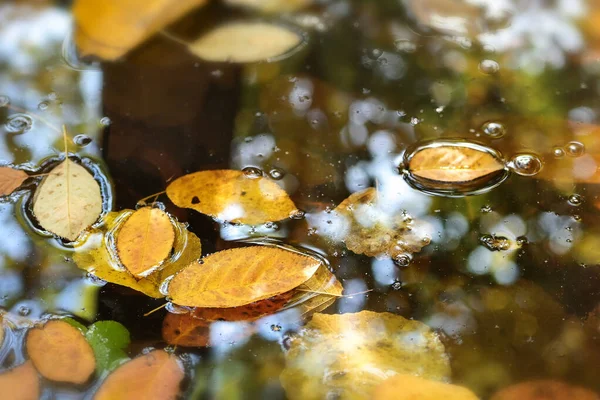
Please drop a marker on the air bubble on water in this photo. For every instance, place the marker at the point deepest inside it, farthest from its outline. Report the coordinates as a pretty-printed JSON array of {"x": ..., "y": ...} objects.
[
  {"x": 43, "y": 105},
  {"x": 486, "y": 209},
  {"x": 297, "y": 214},
  {"x": 19, "y": 123},
  {"x": 276, "y": 173},
  {"x": 4, "y": 101},
  {"x": 495, "y": 243},
  {"x": 82, "y": 140},
  {"x": 24, "y": 311},
  {"x": 575, "y": 149},
  {"x": 105, "y": 121},
  {"x": 252, "y": 172},
  {"x": 577, "y": 218},
  {"x": 405, "y": 45},
  {"x": 489, "y": 67},
  {"x": 525, "y": 164},
  {"x": 522, "y": 241},
  {"x": 575, "y": 200},
  {"x": 271, "y": 225},
  {"x": 403, "y": 260},
  {"x": 558, "y": 152},
  {"x": 397, "y": 285},
  {"x": 276, "y": 328},
  {"x": 374, "y": 54},
  {"x": 494, "y": 130}
]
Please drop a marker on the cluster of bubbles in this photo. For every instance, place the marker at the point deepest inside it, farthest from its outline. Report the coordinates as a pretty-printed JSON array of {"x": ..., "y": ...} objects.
[{"x": 571, "y": 149}]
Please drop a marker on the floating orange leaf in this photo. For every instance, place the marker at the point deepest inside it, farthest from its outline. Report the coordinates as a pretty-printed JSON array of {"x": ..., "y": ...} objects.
[
  {"x": 20, "y": 383},
  {"x": 236, "y": 277},
  {"x": 410, "y": 387},
  {"x": 544, "y": 390},
  {"x": 10, "y": 179},
  {"x": 232, "y": 196},
  {"x": 145, "y": 240},
  {"x": 152, "y": 376},
  {"x": 60, "y": 352}
]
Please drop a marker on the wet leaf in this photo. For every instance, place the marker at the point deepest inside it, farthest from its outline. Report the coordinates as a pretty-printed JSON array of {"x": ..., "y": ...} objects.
[
  {"x": 232, "y": 196},
  {"x": 240, "y": 276},
  {"x": 60, "y": 352},
  {"x": 11, "y": 179},
  {"x": 245, "y": 42},
  {"x": 271, "y": 6},
  {"x": 68, "y": 201},
  {"x": 145, "y": 240},
  {"x": 410, "y": 387},
  {"x": 544, "y": 390},
  {"x": 109, "y": 340},
  {"x": 349, "y": 355},
  {"x": 96, "y": 256},
  {"x": 152, "y": 376},
  {"x": 22, "y": 383},
  {"x": 370, "y": 228},
  {"x": 110, "y": 28},
  {"x": 318, "y": 293}
]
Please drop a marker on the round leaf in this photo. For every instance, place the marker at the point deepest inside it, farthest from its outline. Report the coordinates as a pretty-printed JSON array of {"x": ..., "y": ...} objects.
[
  {"x": 20, "y": 383},
  {"x": 108, "y": 339}
]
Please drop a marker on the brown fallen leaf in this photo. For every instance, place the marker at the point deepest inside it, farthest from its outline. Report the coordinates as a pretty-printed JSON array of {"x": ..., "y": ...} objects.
[
  {"x": 349, "y": 355},
  {"x": 240, "y": 276},
  {"x": 232, "y": 196},
  {"x": 145, "y": 241},
  {"x": 193, "y": 329},
  {"x": 545, "y": 390},
  {"x": 60, "y": 352},
  {"x": 20, "y": 383},
  {"x": 11, "y": 179},
  {"x": 68, "y": 200},
  {"x": 410, "y": 387},
  {"x": 153, "y": 376},
  {"x": 373, "y": 231},
  {"x": 110, "y": 28},
  {"x": 245, "y": 42}
]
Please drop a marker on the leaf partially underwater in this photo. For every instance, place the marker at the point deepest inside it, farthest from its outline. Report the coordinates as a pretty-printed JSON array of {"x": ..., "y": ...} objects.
[
  {"x": 548, "y": 389},
  {"x": 349, "y": 355},
  {"x": 21, "y": 382},
  {"x": 410, "y": 387},
  {"x": 11, "y": 179},
  {"x": 232, "y": 196},
  {"x": 316, "y": 294}
]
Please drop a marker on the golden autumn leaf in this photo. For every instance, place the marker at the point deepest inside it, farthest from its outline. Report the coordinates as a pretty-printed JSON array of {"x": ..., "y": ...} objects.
[
  {"x": 232, "y": 196},
  {"x": 68, "y": 201},
  {"x": 240, "y": 276},
  {"x": 145, "y": 241},
  {"x": 545, "y": 390},
  {"x": 153, "y": 376},
  {"x": 410, "y": 387},
  {"x": 20, "y": 383},
  {"x": 96, "y": 256},
  {"x": 60, "y": 352},
  {"x": 245, "y": 42},
  {"x": 110, "y": 28},
  {"x": 349, "y": 355},
  {"x": 11, "y": 179},
  {"x": 316, "y": 294},
  {"x": 370, "y": 228}
]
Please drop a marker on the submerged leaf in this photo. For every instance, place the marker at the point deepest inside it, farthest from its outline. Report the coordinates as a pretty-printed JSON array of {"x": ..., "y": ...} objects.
[
  {"x": 11, "y": 179},
  {"x": 544, "y": 390},
  {"x": 68, "y": 200},
  {"x": 96, "y": 256},
  {"x": 347, "y": 356},
  {"x": 110, "y": 28},
  {"x": 245, "y": 42},
  {"x": 108, "y": 339},
  {"x": 232, "y": 196},
  {"x": 145, "y": 240},
  {"x": 153, "y": 376},
  {"x": 60, "y": 352},
  {"x": 318, "y": 293},
  {"x": 410, "y": 387},
  {"x": 240, "y": 276},
  {"x": 20, "y": 383}
]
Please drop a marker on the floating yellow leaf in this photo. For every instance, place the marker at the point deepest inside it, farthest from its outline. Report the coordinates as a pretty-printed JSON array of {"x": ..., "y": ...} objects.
[
  {"x": 110, "y": 28},
  {"x": 232, "y": 196},
  {"x": 20, "y": 383},
  {"x": 60, "y": 352},
  {"x": 371, "y": 229},
  {"x": 240, "y": 276},
  {"x": 347, "y": 356},
  {"x": 245, "y": 42},
  {"x": 68, "y": 200},
  {"x": 316, "y": 294},
  {"x": 10, "y": 179},
  {"x": 544, "y": 390},
  {"x": 145, "y": 240},
  {"x": 410, "y": 387},
  {"x": 153, "y": 376},
  {"x": 96, "y": 256}
]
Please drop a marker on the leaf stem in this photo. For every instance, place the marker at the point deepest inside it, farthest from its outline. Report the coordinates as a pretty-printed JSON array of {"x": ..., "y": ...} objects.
[{"x": 155, "y": 310}]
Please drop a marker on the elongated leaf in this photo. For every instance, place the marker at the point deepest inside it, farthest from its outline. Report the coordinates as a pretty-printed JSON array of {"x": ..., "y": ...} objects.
[
  {"x": 318, "y": 293},
  {"x": 68, "y": 200},
  {"x": 232, "y": 196},
  {"x": 145, "y": 240},
  {"x": 409, "y": 387},
  {"x": 109, "y": 340},
  {"x": 20, "y": 383},
  {"x": 544, "y": 389},
  {"x": 240, "y": 276},
  {"x": 10, "y": 179},
  {"x": 152, "y": 376},
  {"x": 60, "y": 352}
]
